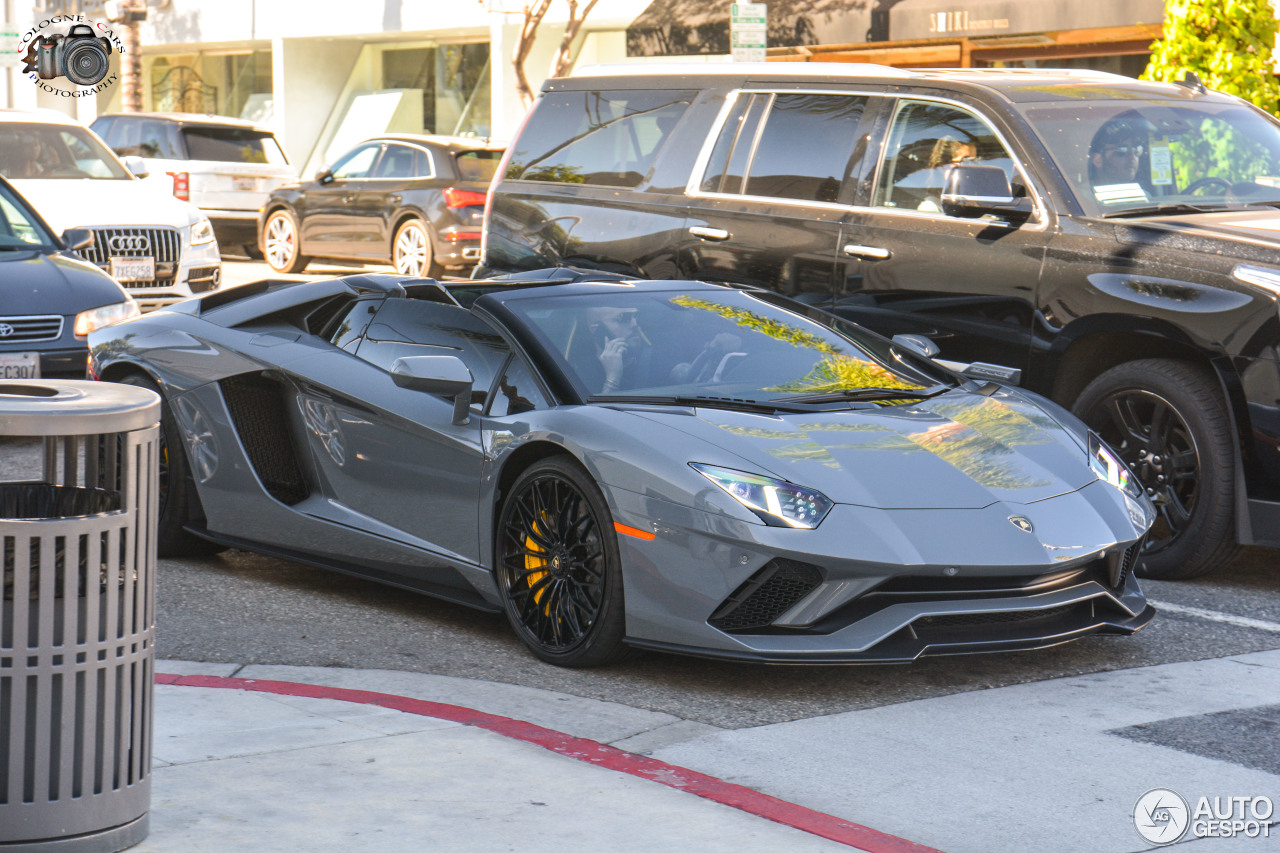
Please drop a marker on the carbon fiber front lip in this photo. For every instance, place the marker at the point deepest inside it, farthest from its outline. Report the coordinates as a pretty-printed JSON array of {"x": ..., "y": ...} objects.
[{"x": 887, "y": 652}]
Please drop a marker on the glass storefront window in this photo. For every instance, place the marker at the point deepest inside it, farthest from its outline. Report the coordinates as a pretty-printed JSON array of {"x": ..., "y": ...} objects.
[
  {"x": 229, "y": 84},
  {"x": 454, "y": 81}
]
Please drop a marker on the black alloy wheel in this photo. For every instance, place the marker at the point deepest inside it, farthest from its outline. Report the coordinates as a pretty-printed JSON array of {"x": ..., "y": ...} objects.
[
  {"x": 1167, "y": 421},
  {"x": 559, "y": 571}
]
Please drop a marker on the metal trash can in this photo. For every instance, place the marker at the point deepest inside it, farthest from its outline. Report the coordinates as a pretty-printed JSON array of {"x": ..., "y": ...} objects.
[{"x": 77, "y": 620}]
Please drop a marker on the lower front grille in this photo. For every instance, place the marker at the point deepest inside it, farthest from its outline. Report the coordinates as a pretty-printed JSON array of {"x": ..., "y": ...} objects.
[
  {"x": 30, "y": 329},
  {"x": 766, "y": 595}
]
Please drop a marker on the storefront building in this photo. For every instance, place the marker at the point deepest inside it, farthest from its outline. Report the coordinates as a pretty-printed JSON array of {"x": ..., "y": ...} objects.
[
  {"x": 1098, "y": 34},
  {"x": 327, "y": 74}
]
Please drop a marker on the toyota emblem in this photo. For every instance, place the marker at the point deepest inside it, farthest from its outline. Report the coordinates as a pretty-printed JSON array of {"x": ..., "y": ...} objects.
[
  {"x": 6, "y": 330},
  {"x": 1022, "y": 523},
  {"x": 121, "y": 243}
]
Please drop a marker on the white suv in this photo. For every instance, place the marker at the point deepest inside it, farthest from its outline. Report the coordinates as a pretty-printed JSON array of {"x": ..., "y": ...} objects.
[
  {"x": 224, "y": 166},
  {"x": 161, "y": 249}
]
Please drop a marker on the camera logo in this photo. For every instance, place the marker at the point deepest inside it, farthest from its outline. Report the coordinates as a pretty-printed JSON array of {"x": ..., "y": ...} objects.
[
  {"x": 1161, "y": 816},
  {"x": 82, "y": 55}
]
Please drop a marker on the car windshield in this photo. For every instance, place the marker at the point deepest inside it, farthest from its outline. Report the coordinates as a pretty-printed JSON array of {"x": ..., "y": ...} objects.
[
  {"x": 233, "y": 145},
  {"x": 730, "y": 345},
  {"x": 1129, "y": 156},
  {"x": 45, "y": 151},
  {"x": 18, "y": 227}
]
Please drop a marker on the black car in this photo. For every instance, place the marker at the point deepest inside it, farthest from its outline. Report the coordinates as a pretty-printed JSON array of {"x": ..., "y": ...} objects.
[
  {"x": 1110, "y": 243},
  {"x": 50, "y": 299},
  {"x": 416, "y": 201}
]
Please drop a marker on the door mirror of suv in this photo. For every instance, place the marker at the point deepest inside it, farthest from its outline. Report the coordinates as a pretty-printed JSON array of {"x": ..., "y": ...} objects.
[
  {"x": 445, "y": 375},
  {"x": 137, "y": 166},
  {"x": 77, "y": 238},
  {"x": 973, "y": 191},
  {"x": 324, "y": 175}
]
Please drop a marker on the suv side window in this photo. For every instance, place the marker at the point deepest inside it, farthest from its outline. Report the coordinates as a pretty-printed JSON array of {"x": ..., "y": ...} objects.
[
  {"x": 358, "y": 163},
  {"x": 401, "y": 161},
  {"x": 803, "y": 151},
  {"x": 142, "y": 138},
  {"x": 925, "y": 141},
  {"x": 606, "y": 138}
]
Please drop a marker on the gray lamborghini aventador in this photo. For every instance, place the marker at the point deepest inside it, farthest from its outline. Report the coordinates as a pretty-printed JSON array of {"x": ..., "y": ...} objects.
[{"x": 623, "y": 464}]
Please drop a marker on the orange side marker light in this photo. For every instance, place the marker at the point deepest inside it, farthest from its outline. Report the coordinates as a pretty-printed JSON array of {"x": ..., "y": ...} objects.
[{"x": 633, "y": 531}]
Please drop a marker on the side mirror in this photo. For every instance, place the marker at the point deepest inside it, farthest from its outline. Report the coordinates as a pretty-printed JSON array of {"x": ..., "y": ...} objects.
[
  {"x": 445, "y": 375},
  {"x": 324, "y": 175},
  {"x": 918, "y": 344},
  {"x": 137, "y": 166},
  {"x": 973, "y": 191},
  {"x": 77, "y": 238}
]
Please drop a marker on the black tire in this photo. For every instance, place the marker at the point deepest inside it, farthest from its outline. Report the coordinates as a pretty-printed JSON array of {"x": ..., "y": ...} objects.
[
  {"x": 566, "y": 607},
  {"x": 176, "y": 486},
  {"x": 1167, "y": 420},
  {"x": 282, "y": 243},
  {"x": 413, "y": 250}
]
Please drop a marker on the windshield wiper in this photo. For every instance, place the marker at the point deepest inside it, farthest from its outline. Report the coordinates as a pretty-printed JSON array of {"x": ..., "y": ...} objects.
[
  {"x": 1162, "y": 209},
  {"x": 869, "y": 395},
  {"x": 732, "y": 403}
]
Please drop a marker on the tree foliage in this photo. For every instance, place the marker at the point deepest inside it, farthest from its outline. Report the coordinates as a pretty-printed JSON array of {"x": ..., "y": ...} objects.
[{"x": 1226, "y": 43}]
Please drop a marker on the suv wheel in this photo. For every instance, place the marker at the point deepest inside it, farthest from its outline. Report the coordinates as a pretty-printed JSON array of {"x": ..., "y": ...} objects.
[
  {"x": 1167, "y": 420},
  {"x": 282, "y": 244},
  {"x": 412, "y": 252}
]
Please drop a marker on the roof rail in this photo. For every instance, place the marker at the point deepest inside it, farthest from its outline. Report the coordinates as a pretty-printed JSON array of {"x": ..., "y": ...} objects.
[
  {"x": 750, "y": 69},
  {"x": 1081, "y": 73}
]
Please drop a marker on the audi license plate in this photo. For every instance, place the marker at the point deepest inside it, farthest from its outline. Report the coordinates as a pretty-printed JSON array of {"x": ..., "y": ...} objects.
[
  {"x": 133, "y": 269},
  {"x": 19, "y": 365}
]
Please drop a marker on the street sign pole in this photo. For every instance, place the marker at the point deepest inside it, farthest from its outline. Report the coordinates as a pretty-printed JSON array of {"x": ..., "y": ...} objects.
[{"x": 747, "y": 26}]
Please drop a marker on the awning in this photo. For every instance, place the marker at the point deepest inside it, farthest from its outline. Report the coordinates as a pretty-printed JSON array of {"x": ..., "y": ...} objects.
[
  {"x": 688, "y": 27},
  {"x": 685, "y": 27}
]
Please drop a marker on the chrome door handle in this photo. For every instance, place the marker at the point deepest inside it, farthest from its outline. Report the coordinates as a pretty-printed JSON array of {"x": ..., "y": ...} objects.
[
  {"x": 709, "y": 233},
  {"x": 867, "y": 253}
]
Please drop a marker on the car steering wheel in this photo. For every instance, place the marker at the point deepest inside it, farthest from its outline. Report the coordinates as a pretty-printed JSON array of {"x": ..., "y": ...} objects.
[{"x": 1212, "y": 180}]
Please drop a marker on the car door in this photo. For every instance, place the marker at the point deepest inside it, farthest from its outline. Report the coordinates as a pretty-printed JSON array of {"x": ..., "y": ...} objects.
[
  {"x": 907, "y": 267},
  {"x": 392, "y": 455},
  {"x": 768, "y": 192},
  {"x": 401, "y": 170},
  {"x": 331, "y": 221}
]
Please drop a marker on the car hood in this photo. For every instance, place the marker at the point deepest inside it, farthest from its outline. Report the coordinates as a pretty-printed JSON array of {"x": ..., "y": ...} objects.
[
  {"x": 36, "y": 283},
  {"x": 1205, "y": 231},
  {"x": 97, "y": 203},
  {"x": 960, "y": 450}
]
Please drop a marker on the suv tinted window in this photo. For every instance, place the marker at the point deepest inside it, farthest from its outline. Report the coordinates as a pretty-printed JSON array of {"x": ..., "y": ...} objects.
[
  {"x": 357, "y": 163},
  {"x": 803, "y": 152},
  {"x": 925, "y": 140},
  {"x": 609, "y": 138},
  {"x": 401, "y": 161},
  {"x": 233, "y": 145},
  {"x": 477, "y": 165},
  {"x": 143, "y": 138}
]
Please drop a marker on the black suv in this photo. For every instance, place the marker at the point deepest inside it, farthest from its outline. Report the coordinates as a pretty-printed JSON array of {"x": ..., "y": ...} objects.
[{"x": 1112, "y": 244}]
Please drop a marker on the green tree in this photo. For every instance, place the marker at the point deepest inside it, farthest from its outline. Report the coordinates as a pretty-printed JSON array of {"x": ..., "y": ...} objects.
[{"x": 1226, "y": 43}]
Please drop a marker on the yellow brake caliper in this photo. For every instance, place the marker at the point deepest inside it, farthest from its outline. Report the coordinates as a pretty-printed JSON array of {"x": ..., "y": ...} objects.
[{"x": 532, "y": 564}]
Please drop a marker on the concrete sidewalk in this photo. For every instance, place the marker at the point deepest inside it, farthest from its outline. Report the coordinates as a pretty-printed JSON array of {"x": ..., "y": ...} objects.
[{"x": 354, "y": 760}]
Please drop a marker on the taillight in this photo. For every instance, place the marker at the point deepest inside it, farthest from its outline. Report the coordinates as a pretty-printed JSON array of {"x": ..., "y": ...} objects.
[
  {"x": 181, "y": 185},
  {"x": 455, "y": 198}
]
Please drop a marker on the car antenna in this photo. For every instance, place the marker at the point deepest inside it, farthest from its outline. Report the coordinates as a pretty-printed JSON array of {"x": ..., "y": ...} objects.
[{"x": 1192, "y": 82}]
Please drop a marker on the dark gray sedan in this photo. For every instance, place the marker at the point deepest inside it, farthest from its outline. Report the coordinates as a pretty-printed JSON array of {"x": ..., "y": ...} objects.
[
  {"x": 50, "y": 299},
  {"x": 623, "y": 464}
]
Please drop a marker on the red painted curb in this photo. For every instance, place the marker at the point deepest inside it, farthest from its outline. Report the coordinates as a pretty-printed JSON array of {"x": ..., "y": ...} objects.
[{"x": 591, "y": 752}]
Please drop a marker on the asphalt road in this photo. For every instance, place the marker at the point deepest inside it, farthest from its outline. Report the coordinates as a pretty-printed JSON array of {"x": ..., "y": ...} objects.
[{"x": 241, "y": 607}]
